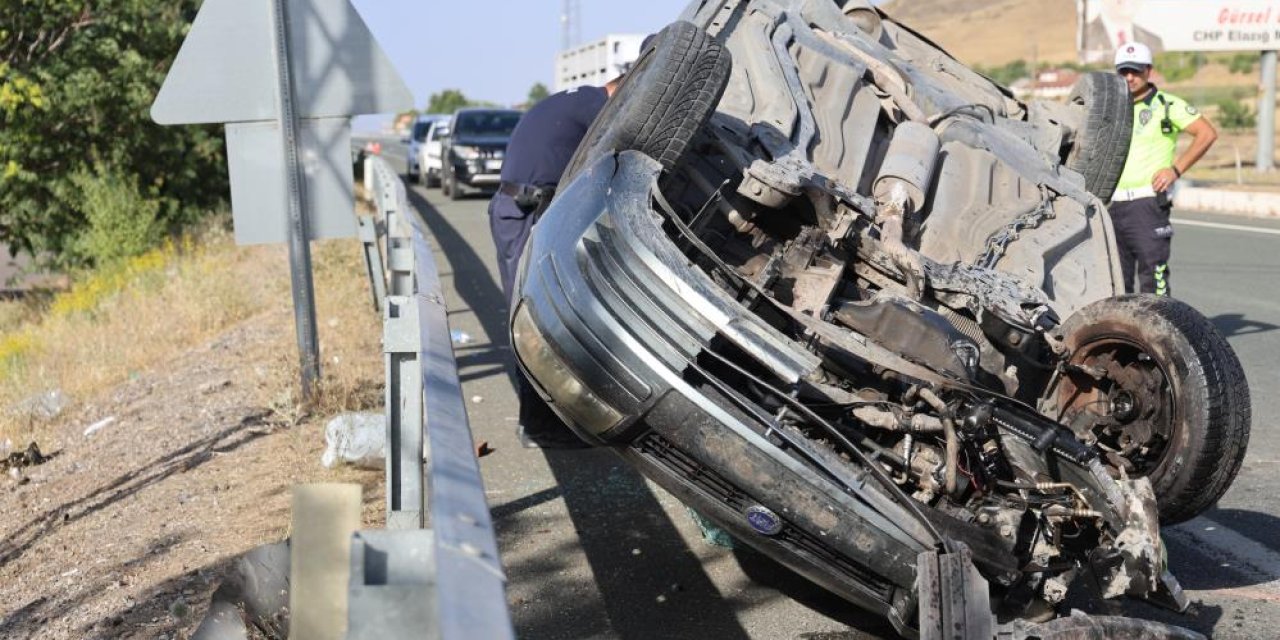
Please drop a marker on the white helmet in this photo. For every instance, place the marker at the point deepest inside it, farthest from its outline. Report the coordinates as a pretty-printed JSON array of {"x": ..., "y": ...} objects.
[{"x": 1134, "y": 55}]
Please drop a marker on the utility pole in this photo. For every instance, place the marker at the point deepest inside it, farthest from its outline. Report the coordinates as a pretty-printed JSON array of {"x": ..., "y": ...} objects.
[{"x": 1267, "y": 114}]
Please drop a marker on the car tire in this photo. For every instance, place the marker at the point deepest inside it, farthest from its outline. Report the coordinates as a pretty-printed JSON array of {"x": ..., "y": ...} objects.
[
  {"x": 1185, "y": 379},
  {"x": 432, "y": 180},
  {"x": 668, "y": 95},
  {"x": 1105, "y": 127},
  {"x": 410, "y": 174},
  {"x": 454, "y": 191}
]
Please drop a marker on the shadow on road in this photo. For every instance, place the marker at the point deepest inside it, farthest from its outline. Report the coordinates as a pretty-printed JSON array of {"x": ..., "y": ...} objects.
[{"x": 1235, "y": 324}]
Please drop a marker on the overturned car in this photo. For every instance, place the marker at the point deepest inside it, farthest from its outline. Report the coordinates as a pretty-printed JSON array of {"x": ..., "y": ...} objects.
[{"x": 859, "y": 306}]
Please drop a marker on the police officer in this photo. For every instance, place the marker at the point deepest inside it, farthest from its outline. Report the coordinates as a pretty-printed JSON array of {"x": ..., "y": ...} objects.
[
  {"x": 1141, "y": 204},
  {"x": 541, "y": 146}
]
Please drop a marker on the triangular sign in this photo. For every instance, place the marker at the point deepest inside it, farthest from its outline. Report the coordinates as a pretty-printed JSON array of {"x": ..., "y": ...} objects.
[{"x": 226, "y": 72}]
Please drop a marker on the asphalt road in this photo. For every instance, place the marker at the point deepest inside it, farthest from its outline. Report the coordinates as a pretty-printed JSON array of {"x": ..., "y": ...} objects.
[{"x": 593, "y": 550}]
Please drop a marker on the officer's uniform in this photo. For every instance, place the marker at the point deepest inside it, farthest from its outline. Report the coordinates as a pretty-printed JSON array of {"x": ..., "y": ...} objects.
[
  {"x": 1140, "y": 215},
  {"x": 541, "y": 147}
]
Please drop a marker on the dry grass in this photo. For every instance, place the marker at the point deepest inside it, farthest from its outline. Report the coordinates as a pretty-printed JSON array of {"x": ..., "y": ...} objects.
[
  {"x": 137, "y": 315},
  {"x": 994, "y": 32}
]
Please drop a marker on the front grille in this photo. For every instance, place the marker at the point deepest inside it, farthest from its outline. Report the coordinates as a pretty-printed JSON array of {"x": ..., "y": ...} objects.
[{"x": 799, "y": 541}]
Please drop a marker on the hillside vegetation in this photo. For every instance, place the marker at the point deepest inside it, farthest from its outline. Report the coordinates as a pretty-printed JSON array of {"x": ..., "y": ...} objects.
[{"x": 995, "y": 32}]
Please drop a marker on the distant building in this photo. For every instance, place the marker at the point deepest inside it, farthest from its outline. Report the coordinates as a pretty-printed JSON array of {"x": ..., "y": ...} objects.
[{"x": 597, "y": 62}]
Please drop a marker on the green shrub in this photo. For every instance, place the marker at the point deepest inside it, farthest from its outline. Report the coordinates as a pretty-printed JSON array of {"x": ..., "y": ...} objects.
[
  {"x": 1008, "y": 73},
  {"x": 1177, "y": 66},
  {"x": 1233, "y": 114},
  {"x": 1242, "y": 63},
  {"x": 122, "y": 221}
]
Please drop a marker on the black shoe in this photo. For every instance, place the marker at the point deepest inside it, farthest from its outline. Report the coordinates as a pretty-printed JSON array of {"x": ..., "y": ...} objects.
[{"x": 558, "y": 439}]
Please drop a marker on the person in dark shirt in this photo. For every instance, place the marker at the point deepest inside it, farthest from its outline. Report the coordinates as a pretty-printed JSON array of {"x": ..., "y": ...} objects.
[{"x": 541, "y": 147}]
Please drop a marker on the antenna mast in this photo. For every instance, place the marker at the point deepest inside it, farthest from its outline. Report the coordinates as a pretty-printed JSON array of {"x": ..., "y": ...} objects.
[{"x": 570, "y": 24}]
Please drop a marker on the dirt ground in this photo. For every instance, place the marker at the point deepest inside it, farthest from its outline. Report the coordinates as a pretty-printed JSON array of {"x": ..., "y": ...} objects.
[{"x": 125, "y": 533}]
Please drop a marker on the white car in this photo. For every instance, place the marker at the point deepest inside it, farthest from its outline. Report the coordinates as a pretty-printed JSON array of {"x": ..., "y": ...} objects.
[
  {"x": 429, "y": 153},
  {"x": 414, "y": 142}
]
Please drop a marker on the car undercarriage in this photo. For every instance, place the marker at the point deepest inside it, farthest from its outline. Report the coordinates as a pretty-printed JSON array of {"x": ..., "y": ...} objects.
[{"x": 857, "y": 305}]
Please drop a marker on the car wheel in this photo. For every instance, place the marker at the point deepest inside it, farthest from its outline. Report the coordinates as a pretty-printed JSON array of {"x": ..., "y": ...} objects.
[
  {"x": 432, "y": 180},
  {"x": 454, "y": 192},
  {"x": 668, "y": 95},
  {"x": 1168, "y": 394},
  {"x": 1103, "y": 131},
  {"x": 410, "y": 173}
]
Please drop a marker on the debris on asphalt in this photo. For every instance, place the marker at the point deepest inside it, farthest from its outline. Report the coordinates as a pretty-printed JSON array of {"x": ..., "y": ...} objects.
[
  {"x": 358, "y": 439},
  {"x": 483, "y": 449},
  {"x": 711, "y": 533},
  {"x": 459, "y": 336},
  {"x": 98, "y": 426},
  {"x": 477, "y": 399}
]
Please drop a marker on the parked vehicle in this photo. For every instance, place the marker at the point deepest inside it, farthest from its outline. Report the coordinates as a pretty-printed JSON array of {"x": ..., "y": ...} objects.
[
  {"x": 856, "y": 304},
  {"x": 430, "y": 153},
  {"x": 474, "y": 150},
  {"x": 418, "y": 135}
]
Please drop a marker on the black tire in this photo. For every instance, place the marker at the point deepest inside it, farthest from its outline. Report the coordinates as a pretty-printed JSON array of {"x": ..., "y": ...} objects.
[
  {"x": 668, "y": 95},
  {"x": 1101, "y": 141},
  {"x": 410, "y": 174},
  {"x": 432, "y": 180},
  {"x": 455, "y": 192},
  {"x": 1187, "y": 384}
]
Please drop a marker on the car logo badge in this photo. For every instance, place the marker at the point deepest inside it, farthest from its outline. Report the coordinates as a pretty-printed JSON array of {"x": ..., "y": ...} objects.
[{"x": 763, "y": 520}]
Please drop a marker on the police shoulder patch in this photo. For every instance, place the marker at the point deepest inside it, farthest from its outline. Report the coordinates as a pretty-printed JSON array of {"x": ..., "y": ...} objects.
[{"x": 1144, "y": 117}]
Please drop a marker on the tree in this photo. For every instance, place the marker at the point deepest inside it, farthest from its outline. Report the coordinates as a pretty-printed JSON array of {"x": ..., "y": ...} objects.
[
  {"x": 1233, "y": 114},
  {"x": 448, "y": 101},
  {"x": 76, "y": 84},
  {"x": 537, "y": 92}
]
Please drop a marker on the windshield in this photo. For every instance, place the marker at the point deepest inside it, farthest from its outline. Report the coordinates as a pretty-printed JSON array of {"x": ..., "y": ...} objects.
[
  {"x": 486, "y": 123},
  {"x": 420, "y": 130}
]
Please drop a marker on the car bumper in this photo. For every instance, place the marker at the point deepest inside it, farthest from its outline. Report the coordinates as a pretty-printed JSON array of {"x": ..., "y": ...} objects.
[
  {"x": 478, "y": 173},
  {"x": 610, "y": 326}
]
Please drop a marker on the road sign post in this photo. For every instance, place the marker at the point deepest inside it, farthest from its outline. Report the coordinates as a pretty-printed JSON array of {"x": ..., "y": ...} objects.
[
  {"x": 304, "y": 299},
  {"x": 1265, "y": 160},
  {"x": 284, "y": 77}
]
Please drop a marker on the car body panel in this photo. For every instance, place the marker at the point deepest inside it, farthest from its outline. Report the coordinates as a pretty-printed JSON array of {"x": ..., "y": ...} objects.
[{"x": 747, "y": 346}]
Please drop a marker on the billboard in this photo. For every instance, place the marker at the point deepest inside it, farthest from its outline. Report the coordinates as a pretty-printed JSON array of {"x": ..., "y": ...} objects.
[{"x": 1176, "y": 25}]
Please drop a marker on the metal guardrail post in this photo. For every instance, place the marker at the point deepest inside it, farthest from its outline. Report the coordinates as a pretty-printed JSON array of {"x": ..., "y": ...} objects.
[
  {"x": 404, "y": 470},
  {"x": 426, "y": 412},
  {"x": 373, "y": 260}
]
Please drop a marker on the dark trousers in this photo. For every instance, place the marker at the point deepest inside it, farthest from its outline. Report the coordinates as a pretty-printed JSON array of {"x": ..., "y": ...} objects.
[
  {"x": 1144, "y": 238},
  {"x": 510, "y": 228}
]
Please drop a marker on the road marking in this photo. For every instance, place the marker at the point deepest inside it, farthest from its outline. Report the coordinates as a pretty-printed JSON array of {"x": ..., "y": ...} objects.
[
  {"x": 1228, "y": 227},
  {"x": 1230, "y": 550}
]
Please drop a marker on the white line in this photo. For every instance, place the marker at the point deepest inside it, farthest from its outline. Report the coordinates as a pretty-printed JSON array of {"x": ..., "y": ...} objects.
[
  {"x": 1228, "y": 227},
  {"x": 1232, "y": 551}
]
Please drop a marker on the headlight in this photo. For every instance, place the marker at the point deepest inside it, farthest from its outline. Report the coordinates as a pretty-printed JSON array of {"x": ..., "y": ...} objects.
[
  {"x": 466, "y": 153},
  {"x": 566, "y": 390}
]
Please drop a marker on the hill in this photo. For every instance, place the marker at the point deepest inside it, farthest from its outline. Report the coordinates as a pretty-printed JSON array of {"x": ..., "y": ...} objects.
[{"x": 994, "y": 32}]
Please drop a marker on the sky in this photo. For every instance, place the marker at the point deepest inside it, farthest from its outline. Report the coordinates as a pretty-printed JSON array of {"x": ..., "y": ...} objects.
[{"x": 492, "y": 50}]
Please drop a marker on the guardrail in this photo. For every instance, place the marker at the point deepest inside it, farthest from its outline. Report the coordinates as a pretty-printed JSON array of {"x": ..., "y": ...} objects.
[{"x": 432, "y": 472}]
